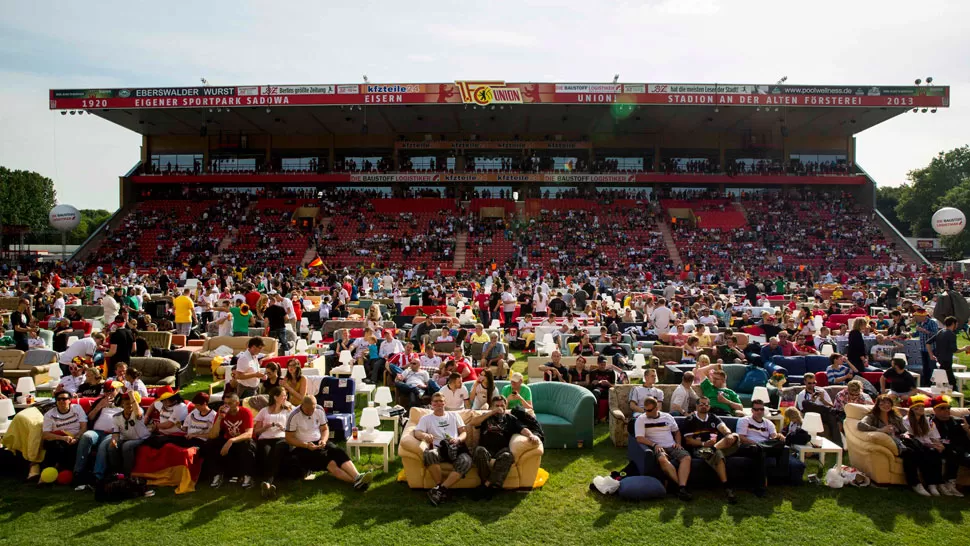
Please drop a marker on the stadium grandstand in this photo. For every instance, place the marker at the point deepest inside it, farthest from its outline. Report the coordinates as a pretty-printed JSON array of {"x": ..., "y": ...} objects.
[{"x": 658, "y": 179}]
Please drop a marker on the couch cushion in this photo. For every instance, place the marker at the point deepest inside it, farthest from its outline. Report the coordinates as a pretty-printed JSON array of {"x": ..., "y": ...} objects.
[
  {"x": 547, "y": 419},
  {"x": 794, "y": 365},
  {"x": 641, "y": 488},
  {"x": 816, "y": 363}
]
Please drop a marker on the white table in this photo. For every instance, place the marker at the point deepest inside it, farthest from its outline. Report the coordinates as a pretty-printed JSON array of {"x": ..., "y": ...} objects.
[
  {"x": 828, "y": 446},
  {"x": 962, "y": 377},
  {"x": 396, "y": 420},
  {"x": 959, "y": 367},
  {"x": 19, "y": 407},
  {"x": 366, "y": 389},
  {"x": 381, "y": 439}
]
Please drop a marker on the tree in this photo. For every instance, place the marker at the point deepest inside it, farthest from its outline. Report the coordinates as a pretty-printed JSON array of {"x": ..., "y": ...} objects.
[
  {"x": 958, "y": 246},
  {"x": 887, "y": 199},
  {"x": 929, "y": 186},
  {"x": 27, "y": 199}
]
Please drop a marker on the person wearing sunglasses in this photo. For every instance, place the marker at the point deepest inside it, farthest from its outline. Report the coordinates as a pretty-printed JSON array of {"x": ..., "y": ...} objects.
[
  {"x": 63, "y": 426},
  {"x": 758, "y": 440},
  {"x": 659, "y": 431}
]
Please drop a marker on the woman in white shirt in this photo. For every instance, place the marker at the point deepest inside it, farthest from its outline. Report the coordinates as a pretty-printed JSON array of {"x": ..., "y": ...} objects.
[{"x": 269, "y": 429}]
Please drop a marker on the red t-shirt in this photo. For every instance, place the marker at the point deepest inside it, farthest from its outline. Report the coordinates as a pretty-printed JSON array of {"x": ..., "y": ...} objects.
[
  {"x": 234, "y": 425},
  {"x": 252, "y": 298},
  {"x": 461, "y": 366},
  {"x": 482, "y": 300}
]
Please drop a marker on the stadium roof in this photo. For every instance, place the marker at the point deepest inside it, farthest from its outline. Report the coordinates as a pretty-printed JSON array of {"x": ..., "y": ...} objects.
[{"x": 499, "y": 107}]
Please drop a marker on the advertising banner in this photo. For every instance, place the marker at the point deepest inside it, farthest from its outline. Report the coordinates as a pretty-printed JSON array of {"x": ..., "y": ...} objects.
[{"x": 491, "y": 145}]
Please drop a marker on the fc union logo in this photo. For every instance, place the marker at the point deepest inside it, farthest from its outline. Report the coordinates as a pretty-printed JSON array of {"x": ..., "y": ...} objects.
[{"x": 483, "y": 93}]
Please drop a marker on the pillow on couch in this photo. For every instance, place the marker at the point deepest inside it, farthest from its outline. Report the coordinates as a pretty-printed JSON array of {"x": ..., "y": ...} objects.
[{"x": 639, "y": 488}]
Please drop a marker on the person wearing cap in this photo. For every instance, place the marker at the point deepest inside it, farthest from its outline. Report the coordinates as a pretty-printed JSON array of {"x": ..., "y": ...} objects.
[
  {"x": 924, "y": 438},
  {"x": 165, "y": 419},
  {"x": 517, "y": 394},
  {"x": 101, "y": 419},
  {"x": 127, "y": 433},
  {"x": 230, "y": 448},
  {"x": 955, "y": 437}
]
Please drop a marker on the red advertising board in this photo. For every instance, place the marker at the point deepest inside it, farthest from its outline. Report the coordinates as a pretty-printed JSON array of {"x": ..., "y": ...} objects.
[{"x": 489, "y": 93}]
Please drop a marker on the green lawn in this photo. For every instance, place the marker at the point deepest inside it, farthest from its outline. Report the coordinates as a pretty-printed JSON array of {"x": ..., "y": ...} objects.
[{"x": 563, "y": 512}]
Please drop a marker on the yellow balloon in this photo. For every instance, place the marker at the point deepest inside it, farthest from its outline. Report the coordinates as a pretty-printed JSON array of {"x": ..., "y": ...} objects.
[{"x": 48, "y": 475}]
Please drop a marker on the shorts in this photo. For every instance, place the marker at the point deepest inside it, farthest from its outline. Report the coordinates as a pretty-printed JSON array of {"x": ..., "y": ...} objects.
[
  {"x": 435, "y": 455},
  {"x": 183, "y": 328},
  {"x": 675, "y": 454}
]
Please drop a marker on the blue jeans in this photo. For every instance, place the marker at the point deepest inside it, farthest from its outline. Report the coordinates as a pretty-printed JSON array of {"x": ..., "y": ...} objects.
[
  {"x": 90, "y": 441},
  {"x": 113, "y": 458},
  {"x": 280, "y": 336}
]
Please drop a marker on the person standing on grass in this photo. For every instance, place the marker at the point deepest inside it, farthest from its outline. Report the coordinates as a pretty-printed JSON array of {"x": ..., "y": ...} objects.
[
  {"x": 497, "y": 427},
  {"x": 308, "y": 438},
  {"x": 184, "y": 313},
  {"x": 659, "y": 431},
  {"x": 442, "y": 435}
]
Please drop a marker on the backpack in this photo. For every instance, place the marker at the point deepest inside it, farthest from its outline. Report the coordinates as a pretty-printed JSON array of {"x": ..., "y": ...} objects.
[
  {"x": 753, "y": 377},
  {"x": 528, "y": 421},
  {"x": 115, "y": 488}
]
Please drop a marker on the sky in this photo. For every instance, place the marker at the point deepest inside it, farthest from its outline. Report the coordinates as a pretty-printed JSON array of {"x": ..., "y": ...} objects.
[{"x": 109, "y": 43}]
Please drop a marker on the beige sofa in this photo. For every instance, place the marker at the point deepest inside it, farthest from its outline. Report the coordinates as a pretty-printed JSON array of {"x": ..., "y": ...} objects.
[
  {"x": 528, "y": 457},
  {"x": 33, "y": 363},
  {"x": 875, "y": 454},
  {"x": 203, "y": 361}
]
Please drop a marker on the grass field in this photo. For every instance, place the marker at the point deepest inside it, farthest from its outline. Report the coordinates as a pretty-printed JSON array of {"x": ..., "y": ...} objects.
[{"x": 563, "y": 512}]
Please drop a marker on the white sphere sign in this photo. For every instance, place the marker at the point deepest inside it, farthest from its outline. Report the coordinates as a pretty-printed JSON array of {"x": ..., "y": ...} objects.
[
  {"x": 64, "y": 217},
  {"x": 949, "y": 221}
]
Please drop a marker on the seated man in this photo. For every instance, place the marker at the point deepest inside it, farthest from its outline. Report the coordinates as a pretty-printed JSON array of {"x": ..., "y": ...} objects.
[
  {"x": 897, "y": 382},
  {"x": 683, "y": 396},
  {"x": 170, "y": 411},
  {"x": 724, "y": 401},
  {"x": 659, "y": 432},
  {"x": 730, "y": 353},
  {"x": 230, "y": 446},
  {"x": 497, "y": 427},
  {"x": 955, "y": 436},
  {"x": 710, "y": 439},
  {"x": 759, "y": 439},
  {"x": 773, "y": 348},
  {"x": 71, "y": 383},
  {"x": 63, "y": 426},
  {"x": 415, "y": 382},
  {"x": 641, "y": 392},
  {"x": 308, "y": 436},
  {"x": 516, "y": 394},
  {"x": 442, "y": 435},
  {"x": 494, "y": 354},
  {"x": 555, "y": 370},
  {"x": 617, "y": 352},
  {"x": 881, "y": 354}
]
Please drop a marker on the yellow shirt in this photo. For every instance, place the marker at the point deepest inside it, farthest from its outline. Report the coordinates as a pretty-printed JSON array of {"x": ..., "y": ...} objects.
[
  {"x": 184, "y": 306},
  {"x": 483, "y": 338}
]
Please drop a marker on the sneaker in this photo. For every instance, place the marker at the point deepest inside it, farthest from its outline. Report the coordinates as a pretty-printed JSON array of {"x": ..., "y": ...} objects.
[
  {"x": 684, "y": 495},
  {"x": 934, "y": 491},
  {"x": 309, "y": 476},
  {"x": 920, "y": 490},
  {"x": 264, "y": 489},
  {"x": 84, "y": 487},
  {"x": 272, "y": 490},
  {"x": 216, "y": 481},
  {"x": 362, "y": 481},
  {"x": 731, "y": 497},
  {"x": 247, "y": 482},
  {"x": 434, "y": 495},
  {"x": 954, "y": 492},
  {"x": 946, "y": 489}
]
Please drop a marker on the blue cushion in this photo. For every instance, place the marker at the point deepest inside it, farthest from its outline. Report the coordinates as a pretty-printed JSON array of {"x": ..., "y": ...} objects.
[
  {"x": 547, "y": 419},
  {"x": 341, "y": 425},
  {"x": 794, "y": 364},
  {"x": 641, "y": 488},
  {"x": 754, "y": 377},
  {"x": 337, "y": 395},
  {"x": 816, "y": 363}
]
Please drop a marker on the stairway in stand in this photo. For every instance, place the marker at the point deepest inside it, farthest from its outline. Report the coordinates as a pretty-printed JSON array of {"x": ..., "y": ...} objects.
[
  {"x": 740, "y": 208},
  {"x": 671, "y": 246},
  {"x": 459, "y": 261}
]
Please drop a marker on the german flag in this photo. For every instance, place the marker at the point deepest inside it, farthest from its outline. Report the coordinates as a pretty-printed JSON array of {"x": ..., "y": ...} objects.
[{"x": 317, "y": 262}]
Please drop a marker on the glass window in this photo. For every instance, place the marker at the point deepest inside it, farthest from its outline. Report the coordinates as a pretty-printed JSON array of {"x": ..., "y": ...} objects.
[
  {"x": 626, "y": 163},
  {"x": 300, "y": 163},
  {"x": 162, "y": 163}
]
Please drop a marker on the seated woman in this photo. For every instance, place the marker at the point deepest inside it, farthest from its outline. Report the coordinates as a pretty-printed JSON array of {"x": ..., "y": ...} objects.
[
  {"x": 704, "y": 368},
  {"x": 925, "y": 440},
  {"x": 269, "y": 428},
  {"x": 585, "y": 347},
  {"x": 482, "y": 391},
  {"x": 133, "y": 382},
  {"x": 692, "y": 349},
  {"x": 851, "y": 394},
  {"x": 295, "y": 384},
  {"x": 884, "y": 419},
  {"x": 92, "y": 385},
  {"x": 198, "y": 423},
  {"x": 273, "y": 378}
]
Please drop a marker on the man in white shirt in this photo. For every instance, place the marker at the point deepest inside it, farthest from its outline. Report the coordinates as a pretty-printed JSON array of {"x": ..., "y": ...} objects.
[
  {"x": 430, "y": 362},
  {"x": 640, "y": 393},
  {"x": 442, "y": 435},
  {"x": 247, "y": 374},
  {"x": 415, "y": 382},
  {"x": 308, "y": 436},
  {"x": 71, "y": 382},
  {"x": 508, "y": 306},
  {"x": 812, "y": 394},
  {"x": 754, "y": 431},
  {"x": 62, "y": 428},
  {"x": 659, "y": 432},
  {"x": 661, "y": 316},
  {"x": 683, "y": 396},
  {"x": 111, "y": 308},
  {"x": 389, "y": 347}
]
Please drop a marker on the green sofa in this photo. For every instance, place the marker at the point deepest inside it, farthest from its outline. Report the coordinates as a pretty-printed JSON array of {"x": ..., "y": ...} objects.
[{"x": 566, "y": 413}]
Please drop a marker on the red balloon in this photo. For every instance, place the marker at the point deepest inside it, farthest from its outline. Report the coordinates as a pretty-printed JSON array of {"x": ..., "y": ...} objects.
[{"x": 65, "y": 477}]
